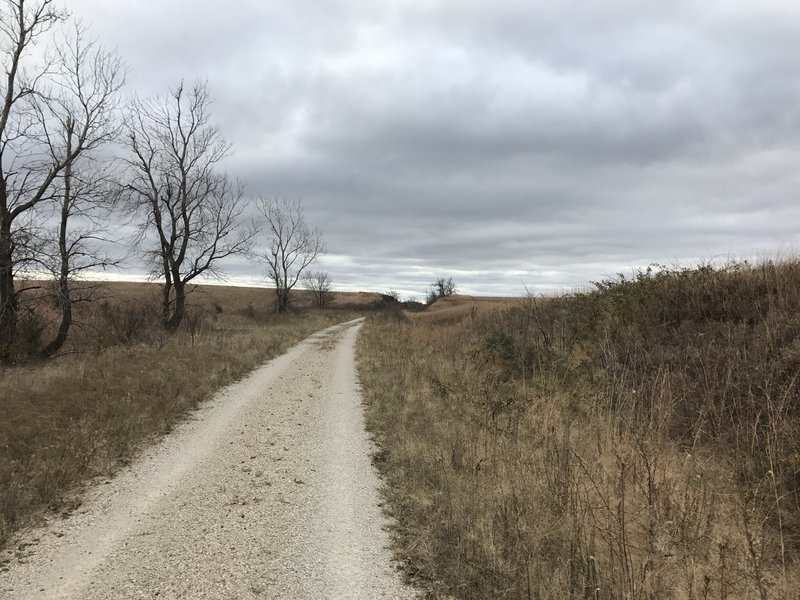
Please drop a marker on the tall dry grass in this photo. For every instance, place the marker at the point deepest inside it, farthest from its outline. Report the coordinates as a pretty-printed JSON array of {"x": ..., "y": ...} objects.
[
  {"x": 123, "y": 384},
  {"x": 637, "y": 441}
]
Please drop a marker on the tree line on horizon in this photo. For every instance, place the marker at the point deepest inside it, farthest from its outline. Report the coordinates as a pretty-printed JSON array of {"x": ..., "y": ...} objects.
[{"x": 61, "y": 113}]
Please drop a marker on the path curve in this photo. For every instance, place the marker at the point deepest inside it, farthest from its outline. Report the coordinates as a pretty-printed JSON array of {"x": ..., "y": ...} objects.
[{"x": 268, "y": 492}]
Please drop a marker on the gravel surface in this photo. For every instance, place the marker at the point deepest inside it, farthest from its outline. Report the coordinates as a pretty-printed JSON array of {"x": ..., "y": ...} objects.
[{"x": 268, "y": 492}]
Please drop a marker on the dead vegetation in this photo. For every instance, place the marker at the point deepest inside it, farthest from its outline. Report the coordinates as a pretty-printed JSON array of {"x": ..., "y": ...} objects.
[
  {"x": 123, "y": 383},
  {"x": 641, "y": 440}
]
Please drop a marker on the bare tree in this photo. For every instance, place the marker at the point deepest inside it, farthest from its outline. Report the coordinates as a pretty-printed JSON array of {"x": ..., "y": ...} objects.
[
  {"x": 86, "y": 81},
  {"x": 292, "y": 246},
  {"x": 442, "y": 287},
  {"x": 51, "y": 114},
  {"x": 319, "y": 283},
  {"x": 86, "y": 196},
  {"x": 192, "y": 212}
]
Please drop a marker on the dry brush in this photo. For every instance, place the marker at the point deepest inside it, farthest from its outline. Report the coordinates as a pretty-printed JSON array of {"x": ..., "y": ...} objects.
[{"x": 637, "y": 441}]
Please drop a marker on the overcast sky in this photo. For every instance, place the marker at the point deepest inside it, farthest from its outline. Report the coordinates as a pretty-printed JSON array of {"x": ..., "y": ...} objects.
[{"x": 508, "y": 143}]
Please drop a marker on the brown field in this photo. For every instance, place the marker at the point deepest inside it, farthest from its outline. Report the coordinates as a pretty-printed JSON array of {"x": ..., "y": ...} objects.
[
  {"x": 230, "y": 298},
  {"x": 107, "y": 313},
  {"x": 639, "y": 441},
  {"x": 122, "y": 382},
  {"x": 456, "y": 307}
]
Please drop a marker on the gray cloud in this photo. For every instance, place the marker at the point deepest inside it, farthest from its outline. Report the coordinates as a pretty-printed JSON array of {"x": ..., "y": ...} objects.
[{"x": 510, "y": 143}]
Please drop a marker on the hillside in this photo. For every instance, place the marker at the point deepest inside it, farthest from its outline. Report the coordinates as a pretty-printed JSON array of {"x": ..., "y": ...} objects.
[
  {"x": 456, "y": 307},
  {"x": 641, "y": 440}
]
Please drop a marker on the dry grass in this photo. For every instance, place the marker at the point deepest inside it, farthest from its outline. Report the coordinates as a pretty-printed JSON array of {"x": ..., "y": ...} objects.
[
  {"x": 123, "y": 385},
  {"x": 638, "y": 441},
  {"x": 457, "y": 307}
]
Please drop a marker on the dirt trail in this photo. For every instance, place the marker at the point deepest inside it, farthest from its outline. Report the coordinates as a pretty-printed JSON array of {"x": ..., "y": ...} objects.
[{"x": 267, "y": 493}]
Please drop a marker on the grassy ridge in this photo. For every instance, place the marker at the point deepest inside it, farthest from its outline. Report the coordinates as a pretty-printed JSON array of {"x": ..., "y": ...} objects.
[
  {"x": 83, "y": 415},
  {"x": 640, "y": 440}
]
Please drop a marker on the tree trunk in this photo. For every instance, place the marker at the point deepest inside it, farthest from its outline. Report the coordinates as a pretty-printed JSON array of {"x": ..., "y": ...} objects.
[
  {"x": 179, "y": 308},
  {"x": 66, "y": 319},
  {"x": 8, "y": 295},
  {"x": 166, "y": 300},
  {"x": 63, "y": 274},
  {"x": 282, "y": 300}
]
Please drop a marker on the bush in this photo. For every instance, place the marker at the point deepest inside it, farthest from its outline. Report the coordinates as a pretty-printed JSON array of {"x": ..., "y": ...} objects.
[
  {"x": 28, "y": 341},
  {"x": 441, "y": 288}
]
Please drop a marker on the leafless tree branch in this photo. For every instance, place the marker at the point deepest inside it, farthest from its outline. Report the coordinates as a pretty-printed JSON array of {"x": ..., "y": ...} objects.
[
  {"x": 50, "y": 117},
  {"x": 291, "y": 246},
  {"x": 194, "y": 212}
]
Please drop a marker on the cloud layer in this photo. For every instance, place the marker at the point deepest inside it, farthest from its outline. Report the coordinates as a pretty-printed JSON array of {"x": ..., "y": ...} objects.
[{"x": 509, "y": 143}]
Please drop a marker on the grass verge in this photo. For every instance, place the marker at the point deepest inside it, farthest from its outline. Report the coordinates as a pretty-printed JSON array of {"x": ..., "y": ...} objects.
[{"x": 637, "y": 441}]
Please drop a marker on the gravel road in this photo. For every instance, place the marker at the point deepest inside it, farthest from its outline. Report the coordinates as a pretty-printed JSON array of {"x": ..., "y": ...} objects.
[{"x": 268, "y": 492}]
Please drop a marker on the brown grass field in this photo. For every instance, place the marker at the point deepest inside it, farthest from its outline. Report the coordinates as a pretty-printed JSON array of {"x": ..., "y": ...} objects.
[
  {"x": 122, "y": 383},
  {"x": 638, "y": 441},
  {"x": 456, "y": 307}
]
